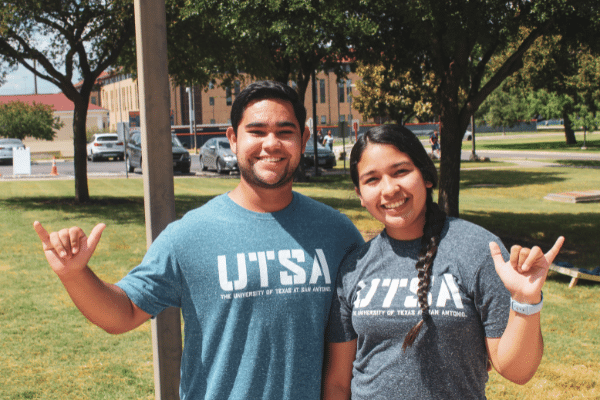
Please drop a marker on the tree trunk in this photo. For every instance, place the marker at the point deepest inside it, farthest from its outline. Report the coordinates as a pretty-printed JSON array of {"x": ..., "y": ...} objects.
[
  {"x": 82, "y": 194},
  {"x": 569, "y": 132},
  {"x": 449, "y": 179}
]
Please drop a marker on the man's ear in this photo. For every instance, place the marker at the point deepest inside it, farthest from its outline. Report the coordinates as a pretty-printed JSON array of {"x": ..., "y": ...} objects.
[
  {"x": 232, "y": 137},
  {"x": 305, "y": 137}
]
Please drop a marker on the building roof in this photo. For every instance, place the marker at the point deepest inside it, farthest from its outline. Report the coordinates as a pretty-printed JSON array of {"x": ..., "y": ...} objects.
[{"x": 58, "y": 101}]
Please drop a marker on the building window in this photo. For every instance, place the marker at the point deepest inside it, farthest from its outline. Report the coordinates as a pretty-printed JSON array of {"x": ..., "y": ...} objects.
[
  {"x": 211, "y": 85},
  {"x": 342, "y": 118},
  {"x": 349, "y": 87},
  {"x": 323, "y": 119},
  {"x": 341, "y": 96},
  {"x": 237, "y": 88},
  {"x": 322, "y": 90},
  {"x": 212, "y": 121},
  {"x": 228, "y": 96},
  {"x": 93, "y": 99},
  {"x": 211, "y": 101}
]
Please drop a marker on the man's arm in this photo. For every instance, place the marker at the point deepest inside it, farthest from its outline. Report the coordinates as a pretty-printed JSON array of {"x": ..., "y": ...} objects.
[
  {"x": 339, "y": 358},
  {"x": 106, "y": 305}
]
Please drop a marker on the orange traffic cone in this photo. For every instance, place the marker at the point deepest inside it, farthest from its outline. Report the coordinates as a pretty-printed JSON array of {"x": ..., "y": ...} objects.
[{"x": 54, "y": 171}]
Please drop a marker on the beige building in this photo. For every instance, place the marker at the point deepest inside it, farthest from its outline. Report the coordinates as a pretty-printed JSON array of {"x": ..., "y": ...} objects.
[{"x": 120, "y": 96}]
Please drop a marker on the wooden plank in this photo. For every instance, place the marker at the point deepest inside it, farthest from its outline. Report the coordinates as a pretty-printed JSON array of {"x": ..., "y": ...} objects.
[{"x": 575, "y": 274}]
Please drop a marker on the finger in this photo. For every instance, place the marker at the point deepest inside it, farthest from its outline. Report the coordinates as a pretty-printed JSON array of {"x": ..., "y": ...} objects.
[
  {"x": 94, "y": 237},
  {"x": 535, "y": 255},
  {"x": 42, "y": 233},
  {"x": 514, "y": 255},
  {"x": 75, "y": 235},
  {"x": 496, "y": 254},
  {"x": 57, "y": 244},
  {"x": 553, "y": 252},
  {"x": 523, "y": 254}
]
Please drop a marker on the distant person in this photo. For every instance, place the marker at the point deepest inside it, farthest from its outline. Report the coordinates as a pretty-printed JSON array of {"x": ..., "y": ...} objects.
[
  {"x": 421, "y": 308},
  {"x": 328, "y": 142},
  {"x": 319, "y": 137},
  {"x": 435, "y": 144},
  {"x": 252, "y": 270}
]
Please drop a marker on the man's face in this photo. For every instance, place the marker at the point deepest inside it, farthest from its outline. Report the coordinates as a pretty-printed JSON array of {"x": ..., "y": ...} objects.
[{"x": 268, "y": 144}]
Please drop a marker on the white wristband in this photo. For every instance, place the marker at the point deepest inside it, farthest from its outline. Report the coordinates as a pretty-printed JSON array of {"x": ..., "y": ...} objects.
[{"x": 527, "y": 309}]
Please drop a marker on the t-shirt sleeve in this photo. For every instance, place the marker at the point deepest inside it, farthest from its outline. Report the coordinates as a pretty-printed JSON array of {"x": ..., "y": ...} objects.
[
  {"x": 491, "y": 297},
  {"x": 155, "y": 284},
  {"x": 339, "y": 326}
]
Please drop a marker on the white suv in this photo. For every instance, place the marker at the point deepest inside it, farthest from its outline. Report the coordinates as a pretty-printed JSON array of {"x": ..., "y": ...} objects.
[{"x": 105, "y": 145}]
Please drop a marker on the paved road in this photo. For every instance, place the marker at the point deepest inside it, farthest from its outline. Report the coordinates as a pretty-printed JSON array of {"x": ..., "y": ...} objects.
[{"x": 42, "y": 169}]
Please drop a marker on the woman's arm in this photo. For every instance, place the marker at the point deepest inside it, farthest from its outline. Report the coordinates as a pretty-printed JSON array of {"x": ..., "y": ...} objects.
[
  {"x": 338, "y": 370},
  {"x": 518, "y": 353}
]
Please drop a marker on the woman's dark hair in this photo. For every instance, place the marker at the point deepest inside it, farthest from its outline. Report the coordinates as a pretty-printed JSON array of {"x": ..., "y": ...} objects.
[
  {"x": 260, "y": 90},
  {"x": 405, "y": 141}
]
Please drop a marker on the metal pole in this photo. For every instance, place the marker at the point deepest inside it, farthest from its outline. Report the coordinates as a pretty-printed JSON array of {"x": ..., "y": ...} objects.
[
  {"x": 314, "y": 109},
  {"x": 473, "y": 155},
  {"x": 157, "y": 159}
]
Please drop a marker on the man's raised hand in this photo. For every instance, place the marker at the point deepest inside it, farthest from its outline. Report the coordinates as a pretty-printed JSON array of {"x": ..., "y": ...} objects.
[{"x": 68, "y": 250}]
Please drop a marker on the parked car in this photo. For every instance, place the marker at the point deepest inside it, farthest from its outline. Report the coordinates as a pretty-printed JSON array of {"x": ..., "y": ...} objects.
[
  {"x": 6, "y": 149},
  {"x": 326, "y": 157},
  {"x": 216, "y": 154},
  {"x": 468, "y": 135},
  {"x": 133, "y": 155},
  {"x": 104, "y": 146}
]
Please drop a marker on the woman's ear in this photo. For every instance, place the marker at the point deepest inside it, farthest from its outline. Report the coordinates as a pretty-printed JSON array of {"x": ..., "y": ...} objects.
[
  {"x": 357, "y": 190},
  {"x": 428, "y": 185}
]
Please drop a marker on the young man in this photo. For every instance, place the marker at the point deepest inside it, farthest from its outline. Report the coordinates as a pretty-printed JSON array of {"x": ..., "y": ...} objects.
[{"x": 252, "y": 270}]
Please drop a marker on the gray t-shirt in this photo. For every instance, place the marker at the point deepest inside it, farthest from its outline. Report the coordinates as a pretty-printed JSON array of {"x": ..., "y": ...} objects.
[{"x": 377, "y": 303}]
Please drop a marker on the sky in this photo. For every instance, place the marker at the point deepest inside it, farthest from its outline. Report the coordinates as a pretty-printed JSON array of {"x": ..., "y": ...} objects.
[{"x": 21, "y": 81}]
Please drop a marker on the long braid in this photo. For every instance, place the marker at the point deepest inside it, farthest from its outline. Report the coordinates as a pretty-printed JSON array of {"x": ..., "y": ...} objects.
[{"x": 434, "y": 222}]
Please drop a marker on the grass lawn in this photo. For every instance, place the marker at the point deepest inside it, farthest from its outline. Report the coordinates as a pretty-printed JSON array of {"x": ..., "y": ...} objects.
[
  {"x": 544, "y": 143},
  {"x": 49, "y": 351}
]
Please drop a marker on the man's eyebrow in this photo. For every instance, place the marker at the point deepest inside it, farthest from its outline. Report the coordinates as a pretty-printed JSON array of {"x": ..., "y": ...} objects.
[{"x": 263, "y": 124}]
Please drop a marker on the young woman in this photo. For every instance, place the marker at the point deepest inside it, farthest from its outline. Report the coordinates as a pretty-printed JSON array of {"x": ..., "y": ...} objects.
[{"x": 421, "y": 309}]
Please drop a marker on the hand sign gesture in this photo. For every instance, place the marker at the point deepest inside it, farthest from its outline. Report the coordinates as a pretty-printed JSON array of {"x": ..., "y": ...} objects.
[
  {"x": 68, "y": 250},
  {"x": 525, "y": 273}
]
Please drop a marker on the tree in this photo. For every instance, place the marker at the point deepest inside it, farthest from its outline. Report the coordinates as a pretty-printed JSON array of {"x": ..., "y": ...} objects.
[
  {"x": 20, "y": 120},
  {"x": 385, "y": 92},
  {"x": 506, "y": 106},
  {"x": 456, "y": 41},
  {"x": 66, "y": 38},
  {"x": 563, "y": 76}
]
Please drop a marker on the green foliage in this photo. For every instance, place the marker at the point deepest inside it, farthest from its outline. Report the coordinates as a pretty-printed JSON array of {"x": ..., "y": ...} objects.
[
  {"x": 20, "y": 120},
  {"x": 506, "y": 106},
  {"x": 399, "y": 95}
]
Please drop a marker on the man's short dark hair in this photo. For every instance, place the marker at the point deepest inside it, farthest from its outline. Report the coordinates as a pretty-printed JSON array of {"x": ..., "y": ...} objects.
[{"x": 266, "y": 90}]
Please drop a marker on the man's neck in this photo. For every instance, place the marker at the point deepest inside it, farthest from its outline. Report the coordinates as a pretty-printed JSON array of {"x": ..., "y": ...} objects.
[{"x": 261, "y": 200}]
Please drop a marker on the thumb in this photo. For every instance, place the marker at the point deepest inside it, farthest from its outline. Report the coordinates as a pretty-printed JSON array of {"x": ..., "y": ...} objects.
[
  {"x": 94, "y": 237},
  {"x": 496, "y": 254}
]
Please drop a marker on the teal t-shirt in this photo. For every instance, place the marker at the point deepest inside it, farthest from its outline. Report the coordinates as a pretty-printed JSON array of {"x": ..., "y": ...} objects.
[{"x": 255, "y": 291}]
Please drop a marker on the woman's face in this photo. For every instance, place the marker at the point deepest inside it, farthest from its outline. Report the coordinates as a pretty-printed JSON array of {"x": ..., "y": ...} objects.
[{"x": 393, "y": 190}]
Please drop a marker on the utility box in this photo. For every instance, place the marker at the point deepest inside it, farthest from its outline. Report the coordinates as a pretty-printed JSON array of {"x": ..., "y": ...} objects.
[{"x": 22, "y": 161}]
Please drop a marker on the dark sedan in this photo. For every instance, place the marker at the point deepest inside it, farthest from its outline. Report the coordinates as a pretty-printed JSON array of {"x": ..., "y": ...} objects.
[
  {"x": 326, "y": 157},
  {"x": 133, "y": 157}
]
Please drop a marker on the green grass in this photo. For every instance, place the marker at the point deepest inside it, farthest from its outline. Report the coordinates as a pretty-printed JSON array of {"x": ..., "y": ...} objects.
[
  {"x": 49, "y": 351},
  {"x": 546, "y": 143}
]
